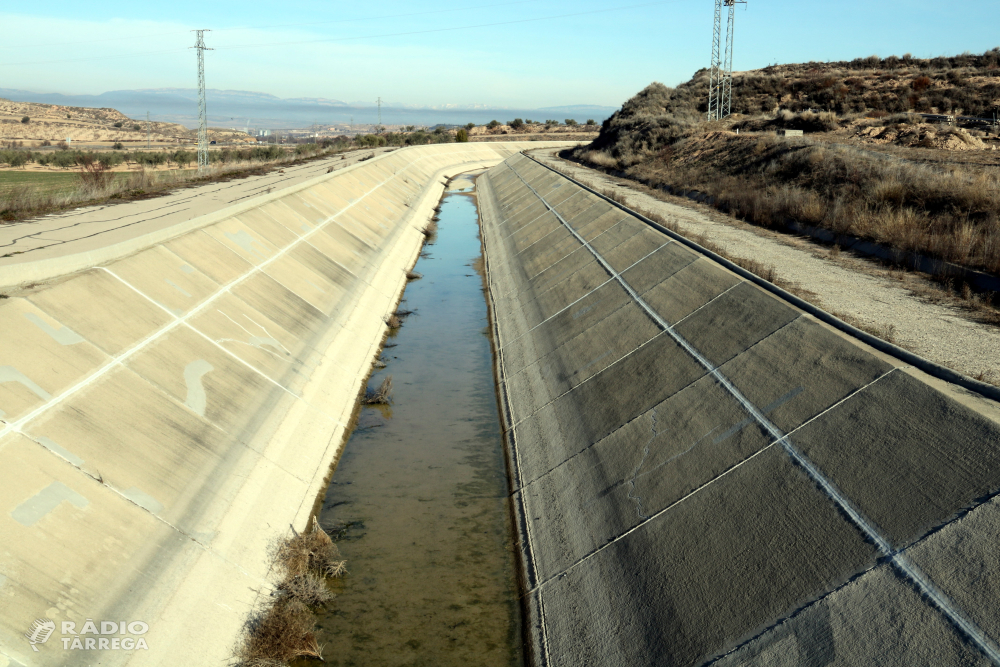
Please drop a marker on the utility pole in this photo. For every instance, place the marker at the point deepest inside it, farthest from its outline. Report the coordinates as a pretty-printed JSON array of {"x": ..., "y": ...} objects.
[
  {"x": 715, "y": 70},
  {"x": 720, "y": 81},
  {"x": 380, "y": 115},
  {"x": 202, "y": 113},
  {"x": 147, "y": 130}
]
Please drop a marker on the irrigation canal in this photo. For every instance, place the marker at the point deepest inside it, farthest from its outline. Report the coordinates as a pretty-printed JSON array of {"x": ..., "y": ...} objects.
[{"x": 418, "y": 503}]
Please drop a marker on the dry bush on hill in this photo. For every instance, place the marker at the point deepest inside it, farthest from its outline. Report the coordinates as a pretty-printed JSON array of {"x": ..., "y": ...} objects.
[
  {"x": 807, "y": 121},
  {"x": 952, "y": 214},
  {"x": 646, "y": 123}
]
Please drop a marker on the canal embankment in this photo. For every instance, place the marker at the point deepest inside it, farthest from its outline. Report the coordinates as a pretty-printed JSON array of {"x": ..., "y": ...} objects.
[
  {"x": 703, "y": 469},
  {"x": 171, "y": 412}
]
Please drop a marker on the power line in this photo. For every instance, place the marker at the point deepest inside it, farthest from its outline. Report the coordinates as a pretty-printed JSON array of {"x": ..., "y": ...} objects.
[
  {"x": 358, "y": 37},
  {"x": 283, "y": 25},
  {"x": 202, "y": 110},
  {"x": 720, "y": 77},
  {"x": 452, "y": 29}
]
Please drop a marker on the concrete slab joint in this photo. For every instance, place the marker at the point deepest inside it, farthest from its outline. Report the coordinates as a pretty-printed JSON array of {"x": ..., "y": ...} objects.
[
  {"x": 697, "y": 460},
  {"x": 167, "y": 414}
]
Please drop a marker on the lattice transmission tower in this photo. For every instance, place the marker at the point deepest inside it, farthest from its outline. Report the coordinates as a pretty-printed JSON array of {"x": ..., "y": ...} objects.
[
  {"x": 202, "y": 112},
  {"x": 720, "y": 81}
]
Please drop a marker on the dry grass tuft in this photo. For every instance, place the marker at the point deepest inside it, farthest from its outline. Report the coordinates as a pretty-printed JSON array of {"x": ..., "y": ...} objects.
[
  {"x": 413, "y": 275},
  {"x": 307, "y": 588},
  {"x": 282, "y": 630},
  {"x": 756, "y": 267},
  {"x": 431, "y": 229},
  {"x": 313, "y": 551},
  {"x": 95, "y": 175},
  {"x": 886, "y": 332},
  {"x": 278, "y": 634},
  {"x": 393, "y": 322},
  {"x": 989, "y": 377},
  {"x": 379, "y": 396}
]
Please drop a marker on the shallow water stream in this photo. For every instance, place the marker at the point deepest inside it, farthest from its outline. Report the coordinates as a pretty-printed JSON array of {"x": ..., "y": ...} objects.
[{"x": 418, "y": 501}]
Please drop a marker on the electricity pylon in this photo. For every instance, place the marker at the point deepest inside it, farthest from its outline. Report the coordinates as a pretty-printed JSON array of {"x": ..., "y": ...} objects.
[
  {"x": 202, "y": 113},
  {"x": 720, "y": 78}
]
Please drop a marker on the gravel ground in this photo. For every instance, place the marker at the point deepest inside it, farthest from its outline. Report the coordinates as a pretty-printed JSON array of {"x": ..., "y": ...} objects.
[{"x": 909, "y": 310}]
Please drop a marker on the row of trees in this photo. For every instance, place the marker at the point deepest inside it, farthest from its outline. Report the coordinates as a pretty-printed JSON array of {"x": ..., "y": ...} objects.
[
  {"x": 67, "y": 159},
  {"x": 519, "y": 123}
]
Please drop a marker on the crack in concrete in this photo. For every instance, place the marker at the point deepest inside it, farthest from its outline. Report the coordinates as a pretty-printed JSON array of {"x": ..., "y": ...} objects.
[{"x": 645, "y": 454}]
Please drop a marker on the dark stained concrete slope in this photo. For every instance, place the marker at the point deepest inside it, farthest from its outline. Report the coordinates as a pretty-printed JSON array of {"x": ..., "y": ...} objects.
[{"x": 704, "y": 472}]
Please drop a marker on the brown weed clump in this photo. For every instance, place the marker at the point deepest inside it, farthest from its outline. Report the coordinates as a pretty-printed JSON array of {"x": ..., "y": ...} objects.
[
  {"x": 379, "y": 396},
  {"x": 281, "y": 630},
  {"x": 94, "y": 174},
  {"x": 277, "y": 634},
  {"x": 312, "y": 552},
  {"x": 430, "y": 229}
]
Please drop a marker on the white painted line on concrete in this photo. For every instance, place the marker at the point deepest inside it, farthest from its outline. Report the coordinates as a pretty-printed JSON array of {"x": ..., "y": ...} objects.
[
  {"x": 903, "y": 564},
  {"x": 562, "y": 310},
  {"x": 578, "y": 237},
  {"x": 710, "y": 301},
  {"x": 506, "y": 220},
  {"x": 708, "y": 483},
  {"x": 225, "y": 289}
]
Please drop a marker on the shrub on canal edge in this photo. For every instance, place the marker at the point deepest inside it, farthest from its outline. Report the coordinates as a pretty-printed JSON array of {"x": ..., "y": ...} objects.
[
  {"x": 379, "y": 396},
  {"x": 281, "y": 630}
]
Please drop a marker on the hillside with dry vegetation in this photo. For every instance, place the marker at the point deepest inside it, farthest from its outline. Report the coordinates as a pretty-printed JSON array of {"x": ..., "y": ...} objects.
[
  {"x": 30, "y": 124},
  {"x": 870, "y": 164}
]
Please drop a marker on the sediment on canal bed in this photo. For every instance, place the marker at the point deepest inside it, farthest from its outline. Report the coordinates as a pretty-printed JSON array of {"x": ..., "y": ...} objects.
[
  {"x": 704, "y": 472},
  {"x": 419, "y": 497},
  {"x": 166, "y": 415}
]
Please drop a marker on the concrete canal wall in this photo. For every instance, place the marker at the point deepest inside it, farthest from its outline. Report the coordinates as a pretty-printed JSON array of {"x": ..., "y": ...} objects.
[
  {"x": 703, "y": 471},
  {"x": 167, "y": 414}
]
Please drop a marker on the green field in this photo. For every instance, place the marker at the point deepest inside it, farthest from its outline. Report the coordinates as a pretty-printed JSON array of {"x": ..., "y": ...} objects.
[{"x": 55, "y": 181}]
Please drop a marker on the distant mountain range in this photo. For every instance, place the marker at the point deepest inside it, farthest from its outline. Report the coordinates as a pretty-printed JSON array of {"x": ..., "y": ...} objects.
[{"x": 238, "y": 108}]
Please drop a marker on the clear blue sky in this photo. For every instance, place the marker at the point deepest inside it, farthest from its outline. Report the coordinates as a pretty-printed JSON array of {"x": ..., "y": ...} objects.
[{"x": 353, "y": 52}]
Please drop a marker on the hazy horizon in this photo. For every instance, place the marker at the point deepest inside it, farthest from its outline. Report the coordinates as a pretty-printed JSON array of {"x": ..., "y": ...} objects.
[
  {"x": 255, "y": 109},
  {"x": 515, "y": 55}
]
